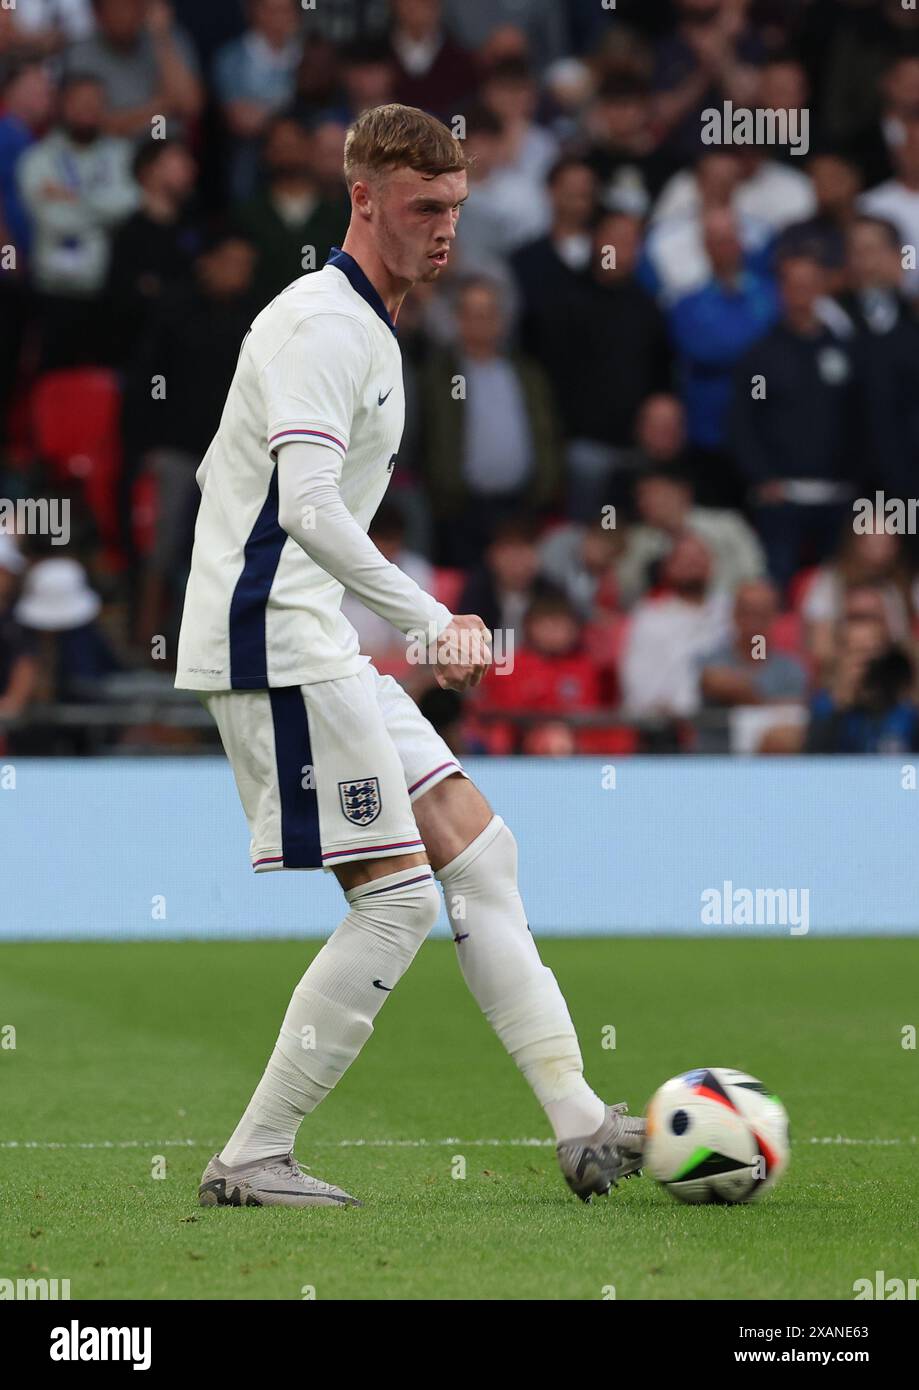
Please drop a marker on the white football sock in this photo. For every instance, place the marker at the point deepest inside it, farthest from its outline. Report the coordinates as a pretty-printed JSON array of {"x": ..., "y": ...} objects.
[
  {"x": 518, "y": 995},
  {"x": 331, "y": 1014}
]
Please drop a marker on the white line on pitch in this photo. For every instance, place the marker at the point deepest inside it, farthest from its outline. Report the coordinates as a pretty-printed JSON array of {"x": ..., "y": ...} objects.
[{"x": 381, "y": 1143}]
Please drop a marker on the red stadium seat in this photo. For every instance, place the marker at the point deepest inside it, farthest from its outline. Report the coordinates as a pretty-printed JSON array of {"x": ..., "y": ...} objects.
[
  {"x": 799, "y": 585},
  {"x": 608, "y": 738},
  {"x": 76, "y": 428},
  {"x": 144, "y": 505},
  {"x": 786, "y": 634},
  {"x": 447, "y": 586}
]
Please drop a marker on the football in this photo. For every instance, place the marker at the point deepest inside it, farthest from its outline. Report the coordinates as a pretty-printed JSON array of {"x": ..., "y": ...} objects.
[{"x": 716, "y": 1135}]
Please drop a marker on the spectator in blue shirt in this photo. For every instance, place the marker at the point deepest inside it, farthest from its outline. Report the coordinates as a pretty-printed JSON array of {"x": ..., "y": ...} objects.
[
  {"x": 711, "y": 329},
  {"x": 255, "y": 76},
  {"x": 868, "y": 705},
  {"x": 26, "y": 101}
]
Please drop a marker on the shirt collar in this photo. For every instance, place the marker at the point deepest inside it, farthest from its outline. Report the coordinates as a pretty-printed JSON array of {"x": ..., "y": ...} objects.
[{"x": 359, "y": 282}]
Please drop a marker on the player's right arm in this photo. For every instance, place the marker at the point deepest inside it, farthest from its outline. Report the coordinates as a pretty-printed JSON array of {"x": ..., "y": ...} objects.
[
  {"x": 310, "y": 412},
  {"x": 312, "y": 512}
]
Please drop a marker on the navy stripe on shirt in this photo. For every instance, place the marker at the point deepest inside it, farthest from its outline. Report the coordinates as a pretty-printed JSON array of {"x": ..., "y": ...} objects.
[{"x": 248, "y": 640}]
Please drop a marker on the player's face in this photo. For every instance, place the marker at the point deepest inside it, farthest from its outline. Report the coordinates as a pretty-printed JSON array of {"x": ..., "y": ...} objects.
[{"x": 416, "y": 222}]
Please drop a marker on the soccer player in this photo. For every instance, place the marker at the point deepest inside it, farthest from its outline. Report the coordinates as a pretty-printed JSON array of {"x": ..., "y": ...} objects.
[{"x": 336, "y": 766}]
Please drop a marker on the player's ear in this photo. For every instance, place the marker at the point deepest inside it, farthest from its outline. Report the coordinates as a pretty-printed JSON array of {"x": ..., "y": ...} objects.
[{"x": 361, "y": 199}]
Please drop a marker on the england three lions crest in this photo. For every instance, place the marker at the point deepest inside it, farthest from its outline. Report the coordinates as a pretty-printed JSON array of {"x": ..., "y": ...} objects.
[{"x": 361, "y": 802}]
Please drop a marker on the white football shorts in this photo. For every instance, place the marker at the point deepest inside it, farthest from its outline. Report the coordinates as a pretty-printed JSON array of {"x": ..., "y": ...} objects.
[{"x": 327, "y": 772}]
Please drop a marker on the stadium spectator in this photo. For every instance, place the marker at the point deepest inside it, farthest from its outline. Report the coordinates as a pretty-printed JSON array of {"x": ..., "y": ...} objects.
[
  {"x": 897, "y": 200},
  {"x": 581, "y": 562},
  {"x": 318, "y": 88},
  {"x": 711, "y": 329},
  {"x": 621, "y": 145},
  {"x": 605, "y": 348},
  {"x": 76, "y": 186},
  {"x": 794, "y": 426},
  {"x": 546, "y": 267},
  {"x": 836, "y": 182},
  {"x": 368, "y": 76},
  {"x": 660, "y": 445},
  {"x": 868, "y": 705},
  {"x": 502, "y": 587},
  {"x": 26, "y": 100},
  {"x": 432, "y": 70},
  {"x": 873, "y": 561},
  {"x": 407, "y": 488},
  {"x": 210, "y": 26},
  {"x": 551, "y": 673},
  {"x": 887, "y": 339},
  {"x": 509, "y": 90},
  {"x": 674, "y": 261},
  {"x": 747, "y": 670},
  {"x": 59, "y": 611},
  {"x": 541, "y": 23},
  {"x": 43, "y": 27},
  {"x": 665, "y": 511},
  {"x": 192, "y": 347},
  {"x": 490, "y": 434},
  {"x": 153, "y": 249},
  {"x": 870, "y": 116},
  {"x": 772, "y": 189},
  {"x": 568, "y": 88},
  {"x": 146, "y": 65},
  {"x": 292, "y": 226},
  {"x": 505, "y": 209},
  {"x": 327, "y": 151},
  {"x": 255, "y": 76},
  {"x": 18, "y": 670},
  {"x": 710, "y": 57},
  {"x": 550, "y": 740},
  {"x": 671, "y": 632}
]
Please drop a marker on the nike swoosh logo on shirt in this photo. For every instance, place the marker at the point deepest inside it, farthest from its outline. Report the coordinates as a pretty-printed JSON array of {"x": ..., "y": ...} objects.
[{"x": 381, "y": 399}]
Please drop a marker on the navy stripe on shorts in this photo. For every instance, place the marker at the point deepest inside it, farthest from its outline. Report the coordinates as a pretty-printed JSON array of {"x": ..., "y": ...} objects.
[{"x": 300, "y": 842}]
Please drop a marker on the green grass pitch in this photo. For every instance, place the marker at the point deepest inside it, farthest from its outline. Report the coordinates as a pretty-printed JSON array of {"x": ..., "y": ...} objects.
[{"x": 134, "y": 1045}]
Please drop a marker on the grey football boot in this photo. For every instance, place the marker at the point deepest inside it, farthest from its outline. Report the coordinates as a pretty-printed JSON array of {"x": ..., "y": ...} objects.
[
  {"x": 595, "y": 1163},
  {"x": 267, "y": 1182}
]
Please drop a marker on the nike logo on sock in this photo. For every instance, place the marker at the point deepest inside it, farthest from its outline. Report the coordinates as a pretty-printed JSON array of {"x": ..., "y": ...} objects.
[{"x": 378, "y": 984}]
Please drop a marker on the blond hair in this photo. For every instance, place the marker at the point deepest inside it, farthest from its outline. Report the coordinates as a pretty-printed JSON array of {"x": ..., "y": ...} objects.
[{"x": 390, "y": 137}]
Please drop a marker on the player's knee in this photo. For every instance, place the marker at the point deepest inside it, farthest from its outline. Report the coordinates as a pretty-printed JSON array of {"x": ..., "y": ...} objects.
[
  {"x": 421, "y": 908},
  {"x": 495, "y": 868},
  {"x": 403, "y": 914}
]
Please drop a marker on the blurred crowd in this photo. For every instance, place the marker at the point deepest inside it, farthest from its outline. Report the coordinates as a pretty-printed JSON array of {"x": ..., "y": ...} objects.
[{"x": 641, "y": 402}]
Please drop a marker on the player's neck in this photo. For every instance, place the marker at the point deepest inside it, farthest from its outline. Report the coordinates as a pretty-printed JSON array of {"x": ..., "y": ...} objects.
[{"x": 391, "y": 290}]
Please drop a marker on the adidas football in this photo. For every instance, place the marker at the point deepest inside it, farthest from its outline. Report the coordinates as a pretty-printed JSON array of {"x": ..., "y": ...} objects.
[{"x": 716, "y": 1135}]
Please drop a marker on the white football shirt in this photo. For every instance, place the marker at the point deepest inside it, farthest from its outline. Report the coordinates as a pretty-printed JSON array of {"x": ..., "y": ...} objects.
[{"x": 320, "y": 365}]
